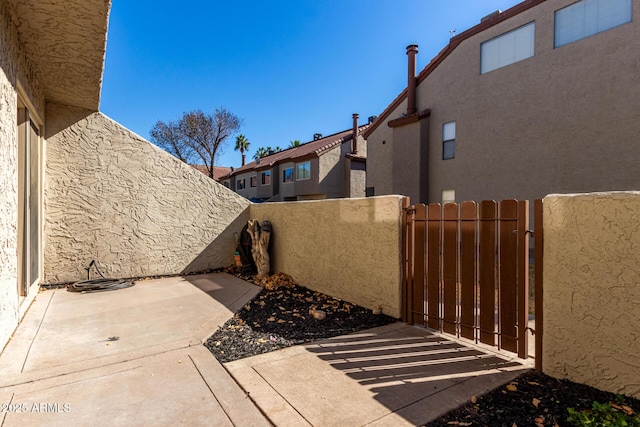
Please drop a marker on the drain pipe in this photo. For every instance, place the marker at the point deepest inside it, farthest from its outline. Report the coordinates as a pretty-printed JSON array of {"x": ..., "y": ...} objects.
[{"x": 354, "y": 143}]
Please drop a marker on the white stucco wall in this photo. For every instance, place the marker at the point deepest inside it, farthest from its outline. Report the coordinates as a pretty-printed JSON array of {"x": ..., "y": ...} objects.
[
  {"x": 113, "y": 197},
  {"x": 14, "y": 67},
  {"x": 592, "y": 290}
]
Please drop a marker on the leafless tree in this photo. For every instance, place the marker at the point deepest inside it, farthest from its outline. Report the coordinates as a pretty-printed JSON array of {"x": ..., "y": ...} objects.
[{"x": 197, "y": 136}]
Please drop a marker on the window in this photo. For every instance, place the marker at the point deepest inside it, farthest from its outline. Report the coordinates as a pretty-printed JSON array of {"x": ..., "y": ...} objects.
[
  {"x": 240, "y": 184},
  {"x": 303, "y": 171},
  {"x": 448, "y": 140},
  {"x": 266, "y": 178},
  {"x": 369, "y": 192},
  {"x": 253, "y": 182},
  {"x": 225, "y": 183},
  {"x": 508, "y": 48},
  {"x": 287, "y": 175},
  {"x": 589, "y": 17},
  {"x": 448, "y": 196}
]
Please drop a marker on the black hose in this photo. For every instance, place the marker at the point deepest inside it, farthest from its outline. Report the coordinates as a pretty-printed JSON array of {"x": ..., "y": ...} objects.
[{"x": 98, "y": 285}]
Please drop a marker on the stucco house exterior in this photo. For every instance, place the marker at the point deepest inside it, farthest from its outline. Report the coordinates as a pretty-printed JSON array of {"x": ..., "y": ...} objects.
[
  {"x": 78, "y": 186},
  {"x": 325, "y": 168},
  {"x": 541, "y": 98}
]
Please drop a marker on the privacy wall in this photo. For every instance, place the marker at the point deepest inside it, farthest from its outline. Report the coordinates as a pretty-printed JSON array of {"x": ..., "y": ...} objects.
[
  {"x": 592, "y": 290},
  {"x": 113, "y": 197},
  {"x": 347, "y": 248}
]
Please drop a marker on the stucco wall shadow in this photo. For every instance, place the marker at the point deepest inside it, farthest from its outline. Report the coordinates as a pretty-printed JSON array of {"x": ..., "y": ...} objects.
[
  {"x": 347, "y": 248},
  {"x": 592, "y": 290},
  {"x": 113, "y": 197}
]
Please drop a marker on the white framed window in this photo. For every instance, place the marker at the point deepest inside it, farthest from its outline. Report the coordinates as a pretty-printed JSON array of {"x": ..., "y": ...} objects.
[
  {"x": 588, "y": 17},
  {"x": 253, "y": 181},
  {"x": 448, "y": 196},
  {"x": 265, "y": 178},
  {"x": 448, "y": 140},
  {"x": 303, "y": 171},
  {"x": 508, "y": 48},
  {"x": 241, "y": 184},
  {"x": 287, "y": 175}
]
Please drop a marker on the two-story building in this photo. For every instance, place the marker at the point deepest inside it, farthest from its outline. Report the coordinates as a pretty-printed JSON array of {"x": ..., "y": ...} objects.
[
  {"x": 541, "y": 98},
  {"x": 324, "y": 168}
]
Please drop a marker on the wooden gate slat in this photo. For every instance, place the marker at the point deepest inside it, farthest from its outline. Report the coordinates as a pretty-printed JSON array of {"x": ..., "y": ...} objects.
[
  {"x": 449, "y": 266},
  {"x": 419, "y": 256},
  {"x": 468, "y": 214},
  {"x": 523, "y": 278},
  {"x": 486, "y": 270},
  {"x": 433, "y": 266},
  {"x": 508, "y": 270},
  {"x": 538, "y": 270},
  {"x": 407, "y": 261}
]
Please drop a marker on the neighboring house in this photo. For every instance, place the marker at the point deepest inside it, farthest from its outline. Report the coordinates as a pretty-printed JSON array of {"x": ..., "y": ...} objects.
[
  {"x": 77, "y": 186},
  {"x": 541, "y": 98},
  {"x": 218, "y": 171},
  {"x": 325, "y": 168}
]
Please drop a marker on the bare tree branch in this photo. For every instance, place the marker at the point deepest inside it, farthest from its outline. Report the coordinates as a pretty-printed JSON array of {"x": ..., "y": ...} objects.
[{"x": 197, "y": 135}]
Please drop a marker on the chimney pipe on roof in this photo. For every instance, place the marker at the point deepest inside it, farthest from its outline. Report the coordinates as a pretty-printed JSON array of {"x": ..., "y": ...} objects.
[
  {"x": 412, "y": 50},
  {"x": 354, "y": 139}
]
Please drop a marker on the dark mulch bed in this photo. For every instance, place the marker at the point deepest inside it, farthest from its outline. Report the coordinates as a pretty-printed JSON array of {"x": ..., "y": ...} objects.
[
  {"x": 533, "y": 399},
  {"x": 279, "y": 317}
]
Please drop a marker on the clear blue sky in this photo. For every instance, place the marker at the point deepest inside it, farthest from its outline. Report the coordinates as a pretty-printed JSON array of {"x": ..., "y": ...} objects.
[{"x": 289, "y": 69}]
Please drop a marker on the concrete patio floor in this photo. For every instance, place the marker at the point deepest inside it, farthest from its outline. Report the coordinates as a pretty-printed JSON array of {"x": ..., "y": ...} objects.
[
  {"x": 128, "y": 357},
  {"x": 134, "y": 357}
]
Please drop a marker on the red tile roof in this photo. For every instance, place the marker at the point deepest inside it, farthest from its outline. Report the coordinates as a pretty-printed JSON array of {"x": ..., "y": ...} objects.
[
  {"x": 218, "y": 171},
  {"x": 454, "y": 42},
  {"x": 309, "y": 149}
]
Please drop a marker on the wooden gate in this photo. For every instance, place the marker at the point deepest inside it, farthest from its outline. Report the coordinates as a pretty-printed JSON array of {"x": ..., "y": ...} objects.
[{"x": 466, "y": 269}]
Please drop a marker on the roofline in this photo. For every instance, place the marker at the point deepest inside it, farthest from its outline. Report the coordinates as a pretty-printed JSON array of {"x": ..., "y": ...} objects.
[
  {"x": 314, "y": 154},
  {"x": 454, "y": 42}
]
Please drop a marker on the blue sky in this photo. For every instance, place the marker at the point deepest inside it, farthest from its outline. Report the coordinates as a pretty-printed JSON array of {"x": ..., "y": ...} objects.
[{"x": 289, "y": 69}]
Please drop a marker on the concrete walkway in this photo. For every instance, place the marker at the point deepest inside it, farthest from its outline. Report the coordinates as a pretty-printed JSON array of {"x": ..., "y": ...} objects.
[
  {"x": 134, "y": 357},
  {"x": 131, "y": 357},
  {"x": 389, "y": 376}
]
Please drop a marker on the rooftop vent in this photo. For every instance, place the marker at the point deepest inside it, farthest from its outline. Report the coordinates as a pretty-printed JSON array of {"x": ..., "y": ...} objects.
[
  {"x": 372, "y": 119},
  {"x": 270, "y": 152},
  {"x": 491, "y": 15},
  {"x": 317, "y": 136}
]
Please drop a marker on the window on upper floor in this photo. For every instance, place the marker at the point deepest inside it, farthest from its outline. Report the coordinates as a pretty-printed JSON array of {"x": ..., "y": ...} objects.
[
  {"x": 287, "y": 175},
  {"x": 508, "y": 48},
  {"x": 253, "y": 181},
  {"x": 266, "y": 178},
  {"x": 303, "y": 171},
  {"x": 449, "y": 140},
  {"x": 448, "y": 196},
  {"x": 588, "y": 17},
  {"x": 240, "y": 184}
]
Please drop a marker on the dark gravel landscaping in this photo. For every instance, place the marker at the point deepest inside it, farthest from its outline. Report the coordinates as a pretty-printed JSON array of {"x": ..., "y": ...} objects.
[
  {"x": 280, "y": 317},
  {"x": 535, "y": 399}
]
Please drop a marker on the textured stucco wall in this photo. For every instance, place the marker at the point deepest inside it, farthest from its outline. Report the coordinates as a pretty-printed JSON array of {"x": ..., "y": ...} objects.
[
  {"x": 347, "y": 248},
  {"x": 66, "y": 42},
  {"x": 113, "y": 197},
  {"x": 14, "y": 66},
  {"x": 592, "y": 289}
]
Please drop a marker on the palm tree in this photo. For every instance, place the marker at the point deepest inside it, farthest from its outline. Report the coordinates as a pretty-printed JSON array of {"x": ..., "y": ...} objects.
[
  {"x": 260, "y": 152},
  {"x": 294, "y": 143},
  {"x": 242, "y": 144}
]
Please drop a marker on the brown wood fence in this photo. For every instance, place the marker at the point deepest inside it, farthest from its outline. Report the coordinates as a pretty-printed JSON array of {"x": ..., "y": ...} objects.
[{"x": 466, "y": 270}]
